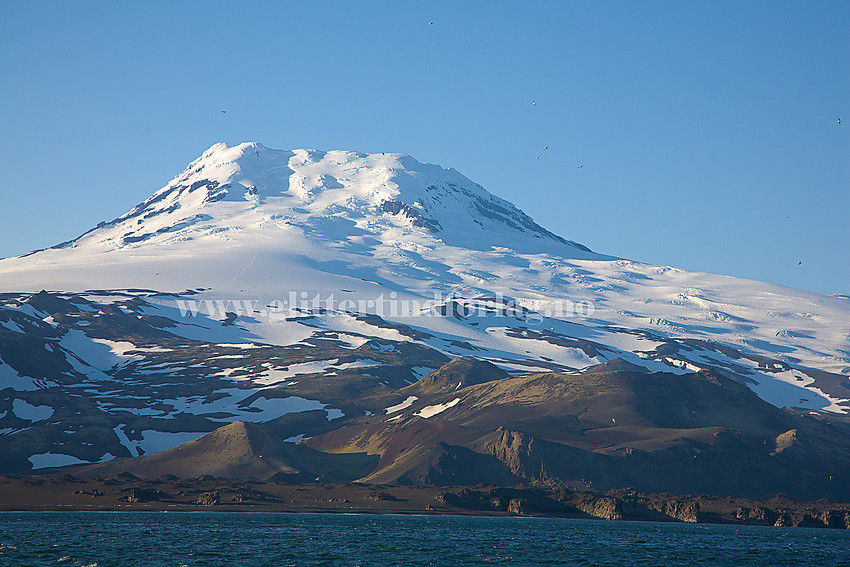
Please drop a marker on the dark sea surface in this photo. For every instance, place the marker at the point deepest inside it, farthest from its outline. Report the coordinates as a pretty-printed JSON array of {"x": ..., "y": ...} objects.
[{"x": 258, "y": 540}]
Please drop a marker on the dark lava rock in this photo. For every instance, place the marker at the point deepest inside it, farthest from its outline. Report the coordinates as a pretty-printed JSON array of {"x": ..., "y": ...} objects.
[
  {"x": 208, "y": 498},
  {"x": 685, "y": 511},
  {"x": 604, "y": 507},
  {"x": 141, "y": 495},
  {"x": 383, "y": 496},
  {"x": 513, "y": 500},
  {"x": 757, "y": 515}
]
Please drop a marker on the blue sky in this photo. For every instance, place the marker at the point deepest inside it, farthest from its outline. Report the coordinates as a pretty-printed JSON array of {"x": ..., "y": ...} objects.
[{"x": 707, "y": 132}]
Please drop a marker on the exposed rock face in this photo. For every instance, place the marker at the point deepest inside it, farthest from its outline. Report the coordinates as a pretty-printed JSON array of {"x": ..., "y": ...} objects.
[
  {"x": 538, "y": 460},
  {"x": 617, "y": 505},
  {"x": 518, "y": 506},
  {"x": 519, "y": 501},
  {"x": 394, "y": 207},
  {"x": 835, "y": 519},
  {"x": 757, "y": 515},
  {"x": 604, "y": 507},
  {"x": 791, "y": 514},
  {"x": 142, "y": 495},
  {"x": 677, "y": 509},
  {"x": 629, "y": 505},
  {"x": 208, "y": 498},
  {"x": 448, "y": 464}
]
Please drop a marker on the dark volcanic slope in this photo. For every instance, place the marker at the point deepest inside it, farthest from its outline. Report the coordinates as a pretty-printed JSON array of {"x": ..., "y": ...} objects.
[
  {"x": 239, "y": 450},
  {"x": 608, "y": 427},
  {"x": 612, "y": 426}
]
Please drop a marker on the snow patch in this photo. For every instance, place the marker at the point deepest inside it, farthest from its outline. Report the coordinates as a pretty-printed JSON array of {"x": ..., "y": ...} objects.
[
  {"x": 276, "y": 376},
  {"x": 361, "y": 363},
  {"x": 48, "y": 460},
  {"x": 421, "y": 371},
  {"x": 11, "y": 379},
  {"x": 403, "y": 405},
  {"x": 120, "y": 348},
  {"x": 100, "y": 354},
  {"x": 153, "y": 441},
  {"x": 431, "y": 411},
  {"x": 30, "y": 412},
  {"x": 12, "y": 326}
]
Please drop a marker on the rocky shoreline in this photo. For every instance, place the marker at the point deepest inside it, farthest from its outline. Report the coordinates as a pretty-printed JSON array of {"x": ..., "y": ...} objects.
[{"x": 129, "y": 493}]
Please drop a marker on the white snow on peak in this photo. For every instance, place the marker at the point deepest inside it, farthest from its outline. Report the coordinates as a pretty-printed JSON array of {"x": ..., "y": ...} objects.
[{"x": 247, "y": 190}]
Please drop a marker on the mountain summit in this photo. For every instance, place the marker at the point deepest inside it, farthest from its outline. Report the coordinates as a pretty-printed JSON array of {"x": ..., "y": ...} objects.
[
  {"x": 249, "y": 201},
  {"x": 246, "y": 188}
]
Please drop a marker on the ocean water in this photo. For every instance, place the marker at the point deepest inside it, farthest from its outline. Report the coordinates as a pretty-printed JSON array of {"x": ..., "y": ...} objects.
[{"x": 154, "y": 539}]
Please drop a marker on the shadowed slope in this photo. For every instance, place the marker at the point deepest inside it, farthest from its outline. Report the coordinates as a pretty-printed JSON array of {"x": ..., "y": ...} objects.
[
  {"x": 605, "y": 428},
  {"x": 458, "y": 373},
  {"x": 238, "y": 450}
]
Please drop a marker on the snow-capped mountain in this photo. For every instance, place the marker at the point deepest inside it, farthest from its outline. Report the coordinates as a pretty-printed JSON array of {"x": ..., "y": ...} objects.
[
  {"x": 307, "y": 288},
  {"x": 302, "y": 203}
]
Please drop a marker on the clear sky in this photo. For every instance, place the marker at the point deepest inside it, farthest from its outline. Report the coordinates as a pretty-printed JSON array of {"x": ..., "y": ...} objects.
[{"x": 707, "y": 133}]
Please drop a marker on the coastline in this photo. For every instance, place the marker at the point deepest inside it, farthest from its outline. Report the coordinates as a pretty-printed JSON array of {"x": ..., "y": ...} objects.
[{"x": 126, "y": 492}]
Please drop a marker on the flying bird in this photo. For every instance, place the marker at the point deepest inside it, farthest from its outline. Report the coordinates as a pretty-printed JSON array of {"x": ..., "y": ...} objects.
[
  {"x": 545, "y": 147},
  {"x": 580, "y": 166},
  {"x": 533, "y": 103}
]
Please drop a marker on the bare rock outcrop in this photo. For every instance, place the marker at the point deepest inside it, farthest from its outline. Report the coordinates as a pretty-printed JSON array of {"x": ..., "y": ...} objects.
[
  {"x": 141, "y": 495},
  {"x": 604, "y": 507},
  {"x": 210, "y": 498}
]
